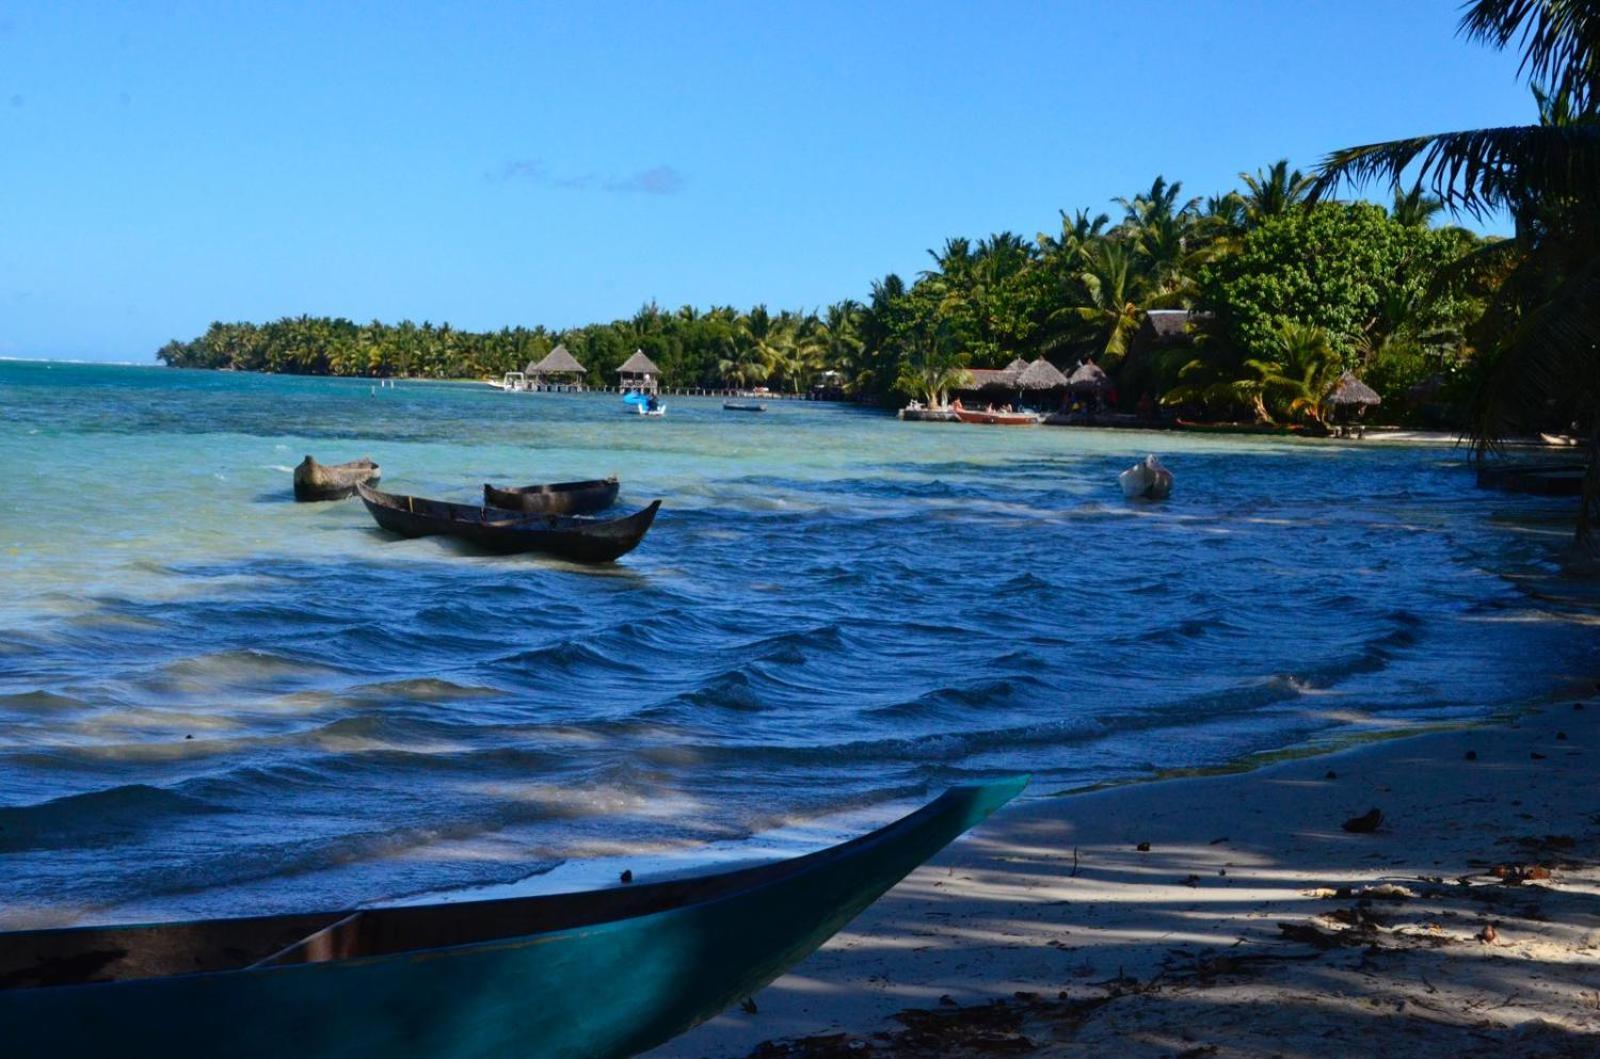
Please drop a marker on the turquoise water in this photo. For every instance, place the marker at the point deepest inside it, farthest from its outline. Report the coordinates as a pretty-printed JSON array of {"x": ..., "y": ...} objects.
[{"x": 213, "y": 700}]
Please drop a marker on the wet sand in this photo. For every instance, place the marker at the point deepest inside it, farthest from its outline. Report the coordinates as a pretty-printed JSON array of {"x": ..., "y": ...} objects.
[{"x": 1254, "y": 924}]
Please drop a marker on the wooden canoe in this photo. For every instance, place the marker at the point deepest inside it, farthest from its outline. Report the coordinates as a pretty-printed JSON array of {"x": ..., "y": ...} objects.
[
  {"x": 556, "y": 498},
  {"x": 319, "y": 481},
  {"x": 605, "y": 973},
  {"x": 1003, "y": 419},
  {"x": 587, "y": 540},
  {"x": 734, "y": 406}
]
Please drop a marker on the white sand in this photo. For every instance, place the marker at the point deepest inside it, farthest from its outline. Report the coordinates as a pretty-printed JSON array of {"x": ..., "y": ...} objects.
[{"x": 1179, "y": 949}]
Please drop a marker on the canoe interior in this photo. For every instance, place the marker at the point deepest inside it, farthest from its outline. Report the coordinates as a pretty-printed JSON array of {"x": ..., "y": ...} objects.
[
  {"x": 556, "y": 498},
  {"x": 83, "y": 955}
]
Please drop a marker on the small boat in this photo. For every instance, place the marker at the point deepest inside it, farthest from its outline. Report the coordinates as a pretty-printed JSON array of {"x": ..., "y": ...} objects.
[
  {"x": 1560, "y": 441},
  {"x": 557, "y": 498},
  {"x": 588, "y": 540},
  {"x": 646, "y": 404},
  {"x": 1148, "y": 479},
  {"x": 1003, "y": 419},
  {"x": 735, "y": 406},
  {"x": 319, "y": 481},
  {"x": 604, "y": 973}
]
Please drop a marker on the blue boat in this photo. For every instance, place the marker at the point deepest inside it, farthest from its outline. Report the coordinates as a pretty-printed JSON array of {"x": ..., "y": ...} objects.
[{"x": 604, "y": 973}]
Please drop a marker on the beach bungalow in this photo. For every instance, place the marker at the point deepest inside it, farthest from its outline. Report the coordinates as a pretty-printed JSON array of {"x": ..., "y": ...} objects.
[
  {"x": 559, "y": 370},
  {"x": 990, "y": 385},
  {"x": 639, "y": 373},
  {"x": 1351, "y": 395},
  {"x": 1041, "y": 384}
]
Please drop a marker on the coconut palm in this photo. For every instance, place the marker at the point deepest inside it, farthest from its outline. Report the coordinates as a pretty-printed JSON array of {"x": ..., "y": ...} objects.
[
  {"x": 1415, "y": 208},
  {"x": 1111, "y": 297},
  {"x": 1540, "y": 333},
  {"x": 933, "y": 363},
  {"x": 1299, "y": 369},
  {"x": 1274, "y": 192}
]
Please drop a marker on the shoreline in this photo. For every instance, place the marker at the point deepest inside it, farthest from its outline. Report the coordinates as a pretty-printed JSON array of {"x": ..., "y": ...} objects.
[{"x": 1050, "y": 927}]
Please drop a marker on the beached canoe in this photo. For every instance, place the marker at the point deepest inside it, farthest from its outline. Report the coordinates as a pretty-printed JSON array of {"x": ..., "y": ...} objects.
[
  {"x": 557, "y": 498},
  {"x": 317, "y": 481},
  {"x": 735, "y": 406},
  {"x": 606, "y": 973},
  {"x": 1003, "y": 419},
  {"x": 588, "y": 540}
]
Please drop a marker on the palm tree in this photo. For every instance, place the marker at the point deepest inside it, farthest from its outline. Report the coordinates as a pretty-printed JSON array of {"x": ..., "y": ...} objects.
[
  {"x": 1076, "y": 231},
  {"x": 1111, "y": 300},
  {"x": 1300, "y": 369},
  {"x": 932, "y": 364},
  {"x": 1540, "y": 332},
  {"x": 1415, "y": 208},
  {"x": 1274, "y": 192}
]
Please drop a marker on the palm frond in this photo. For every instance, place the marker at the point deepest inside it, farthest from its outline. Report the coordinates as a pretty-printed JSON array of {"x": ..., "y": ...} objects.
[
  {"x": 1559, "y": 40},
  {"x": 1480, "y": 170}
]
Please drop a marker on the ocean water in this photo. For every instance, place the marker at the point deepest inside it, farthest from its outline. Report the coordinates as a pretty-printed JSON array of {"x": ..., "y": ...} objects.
[{"x": 216, "y": 701}]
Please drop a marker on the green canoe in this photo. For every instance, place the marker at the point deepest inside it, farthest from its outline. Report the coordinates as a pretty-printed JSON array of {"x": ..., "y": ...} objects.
[{"x": 605, "y": 973}]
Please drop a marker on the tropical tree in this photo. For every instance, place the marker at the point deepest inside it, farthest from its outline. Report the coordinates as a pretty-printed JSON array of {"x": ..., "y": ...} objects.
[
  {"x": 933, "y": 363},
  {"x": 1299, "y": 370},
  {"x": 1274, "y": 192},
  {"x": 1540, "y": 332},
  {"x": 1415, "y": 208}
]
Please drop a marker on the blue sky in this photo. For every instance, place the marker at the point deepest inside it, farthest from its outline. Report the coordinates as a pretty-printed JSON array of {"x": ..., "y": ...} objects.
[{"x": 164, "y": 165}]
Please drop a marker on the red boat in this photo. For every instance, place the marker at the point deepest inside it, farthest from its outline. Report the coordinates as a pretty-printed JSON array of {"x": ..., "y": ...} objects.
[{"x": 1003, "y": 419}]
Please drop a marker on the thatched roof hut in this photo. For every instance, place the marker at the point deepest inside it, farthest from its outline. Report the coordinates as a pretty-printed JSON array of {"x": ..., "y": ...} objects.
[
  {"x": 557, "y": 362},
  {"x": 1350, "y": 390},
  {"x": 1088, "y": 377},
  {"x": 995, "y": 378},
  {"x": 1040, "y": 375},
  {"x": 1017, "y": 366},
  {"x": 639, "y": 372},
  {"x": 638, "y": 364}
]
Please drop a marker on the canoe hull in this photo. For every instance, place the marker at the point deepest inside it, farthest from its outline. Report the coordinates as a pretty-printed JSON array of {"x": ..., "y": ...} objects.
[
  {"x": 510, "y": 532},
  {"x": 610, "y": 989},
  {"x": 315, "y": 481},
  {"x": 559, "y": 498}
]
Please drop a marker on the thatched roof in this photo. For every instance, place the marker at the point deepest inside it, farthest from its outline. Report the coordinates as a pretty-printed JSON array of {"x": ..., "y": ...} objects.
[
  {"x": 1088, "y": 376},
  {"x": 1017, "y": 366},
  {"x": 557, "y": 362},
  {"x": 1351, "y": 390},
  {"x": 981, "y": 377},
  {"x": 1168, "y": 323},
  {"x": 638, "y": 364},
  {"x": 1040, "y": 375}
]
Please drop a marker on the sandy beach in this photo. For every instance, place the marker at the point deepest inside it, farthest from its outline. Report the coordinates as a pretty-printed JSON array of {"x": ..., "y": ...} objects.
[{"x": 1234, "y": 915}]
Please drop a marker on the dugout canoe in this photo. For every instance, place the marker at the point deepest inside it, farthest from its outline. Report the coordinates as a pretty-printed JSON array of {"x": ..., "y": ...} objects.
[
  {"x": 587, "y": 540},
  {"x": 556, "y": 498},
  {"x": 604, "y": 973},
  {"x": 335, "y": 481}
]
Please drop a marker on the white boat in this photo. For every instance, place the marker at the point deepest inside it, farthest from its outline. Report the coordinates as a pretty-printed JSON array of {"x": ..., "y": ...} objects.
[{"x": 1146, "y": 480}]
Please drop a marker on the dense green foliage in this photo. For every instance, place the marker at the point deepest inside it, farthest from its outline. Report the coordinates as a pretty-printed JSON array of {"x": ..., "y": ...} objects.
[
  {"x": 1538, "y": 336},
  {"x": 1251, "y": 261},
  {"x": 1348, "y": 268}
]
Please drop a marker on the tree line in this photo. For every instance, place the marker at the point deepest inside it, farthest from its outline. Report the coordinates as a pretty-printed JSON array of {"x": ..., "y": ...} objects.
[{"x": 1275, "y": 280}]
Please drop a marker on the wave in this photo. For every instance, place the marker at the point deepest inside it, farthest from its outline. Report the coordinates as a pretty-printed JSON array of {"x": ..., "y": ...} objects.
[{"x": 97, "y": 818}]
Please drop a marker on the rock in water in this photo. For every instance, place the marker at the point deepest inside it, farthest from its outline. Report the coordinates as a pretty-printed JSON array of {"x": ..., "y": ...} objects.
[
  {"x": 1366, "y": 823},
  {"x": 1146, "y": 480}
]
